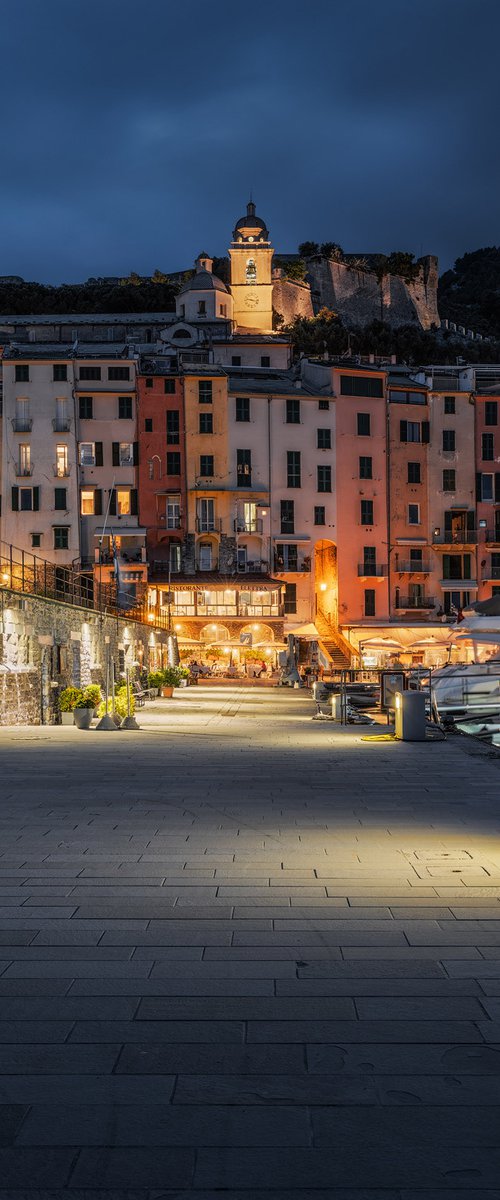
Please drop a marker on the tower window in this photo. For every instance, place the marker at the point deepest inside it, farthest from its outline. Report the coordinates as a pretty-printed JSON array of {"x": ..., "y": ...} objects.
[{"x": 251, "y": 271}]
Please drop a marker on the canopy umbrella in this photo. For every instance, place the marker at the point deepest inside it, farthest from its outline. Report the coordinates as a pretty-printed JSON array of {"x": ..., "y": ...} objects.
[
  {"x": 489, "y": 608},
  {"x": 308, "y": 632},
  {"x": 379, "y": 643},
  {"x": 430, "y": 643},
  {"x": 187, "y": 641},
  {"x": 475, "y": 635}
]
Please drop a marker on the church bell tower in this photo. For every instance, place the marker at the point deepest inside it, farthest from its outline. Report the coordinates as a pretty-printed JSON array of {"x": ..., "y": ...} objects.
[{"x": 251, "y": 281}]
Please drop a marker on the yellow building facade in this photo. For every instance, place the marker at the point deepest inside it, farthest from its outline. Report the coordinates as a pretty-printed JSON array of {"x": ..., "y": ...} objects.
[{"x": 251, "y": 256}]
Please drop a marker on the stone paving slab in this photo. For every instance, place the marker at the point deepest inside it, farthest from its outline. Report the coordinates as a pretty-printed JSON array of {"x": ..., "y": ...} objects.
[{"x": 247, "y": 955}]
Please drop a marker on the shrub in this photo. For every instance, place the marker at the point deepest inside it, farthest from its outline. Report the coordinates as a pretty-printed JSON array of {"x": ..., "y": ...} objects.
[
  {"x": 155, "y": 679},
  {"x": 70, "y": 698},
  {"x": 171, "y": 677},
  {"x": 91, "y": 692}
]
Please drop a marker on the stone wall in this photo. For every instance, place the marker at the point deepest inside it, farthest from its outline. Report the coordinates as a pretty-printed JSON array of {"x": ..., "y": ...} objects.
[
  {"x": 358, "y": 297},
  {"x": 46, "y": 645}
]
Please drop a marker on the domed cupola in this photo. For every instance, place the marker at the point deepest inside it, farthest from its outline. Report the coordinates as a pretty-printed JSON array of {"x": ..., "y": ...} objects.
[
  {"x": 204, "y": 296},
  {"x": 250, "y": 228}
]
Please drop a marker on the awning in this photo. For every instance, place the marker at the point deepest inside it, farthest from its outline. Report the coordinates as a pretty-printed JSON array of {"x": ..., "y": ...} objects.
[
  {"x": 308, "y": 632},
  {"x": 119, "y": 531}
]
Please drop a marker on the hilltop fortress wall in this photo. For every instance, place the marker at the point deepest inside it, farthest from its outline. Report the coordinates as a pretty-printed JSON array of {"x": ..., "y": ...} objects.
[{"x": 358, "y": 297}]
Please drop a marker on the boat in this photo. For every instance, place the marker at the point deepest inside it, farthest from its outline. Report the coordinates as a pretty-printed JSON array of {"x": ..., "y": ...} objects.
[{"x": 462, "y": 691}]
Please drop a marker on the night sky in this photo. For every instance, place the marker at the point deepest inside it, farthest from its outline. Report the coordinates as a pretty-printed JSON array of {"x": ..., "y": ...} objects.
[{"x": 132, "y": 132}]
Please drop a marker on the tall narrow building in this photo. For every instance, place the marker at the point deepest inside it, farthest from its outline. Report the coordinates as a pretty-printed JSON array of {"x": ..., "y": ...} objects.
[{"x": 251, "y": 256}]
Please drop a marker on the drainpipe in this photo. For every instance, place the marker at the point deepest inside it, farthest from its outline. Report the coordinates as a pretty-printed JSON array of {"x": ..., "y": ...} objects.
[
  {"x": 269, "y": 475},
  {"x": 388, "y": 499}
]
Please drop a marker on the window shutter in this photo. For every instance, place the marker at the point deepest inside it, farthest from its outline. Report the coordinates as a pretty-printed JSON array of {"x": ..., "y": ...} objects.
[
  {"x": 98, "y": 454},
  {"x": 133, "y": 502},
  {"x": 403, "y": 431},
  {"x": 446, "y": 566},
  {"x": 426, "y": 432},
  {"x": 15, "y": 499},
  {"x": 115, "y": 454},
  {"x": 98, "y": 502},
  {"x": 497, "y": 487},
  {"x": 471, "y": 522},
  {"x": 36, "y": 499},
  {"x": 112, "y": 503},
  {"x": 136, "y": 454},
  {"x": 467, "y": 574},
  {"x": 479, "y": 491},
  {"x": 447, "y": 521}
]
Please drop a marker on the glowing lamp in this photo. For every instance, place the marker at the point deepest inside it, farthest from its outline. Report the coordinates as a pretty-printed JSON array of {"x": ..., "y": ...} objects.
[{"x": 322, "y": 587}]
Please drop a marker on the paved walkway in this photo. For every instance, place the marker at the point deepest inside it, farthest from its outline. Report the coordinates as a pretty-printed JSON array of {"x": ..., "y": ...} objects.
[{"x": 244, "y": 956}]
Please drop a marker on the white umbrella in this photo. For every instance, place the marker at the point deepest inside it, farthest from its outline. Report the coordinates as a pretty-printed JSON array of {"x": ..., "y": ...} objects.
[
  {"x": 379, "y": 643},
  {"x": 308, "y": 632}
]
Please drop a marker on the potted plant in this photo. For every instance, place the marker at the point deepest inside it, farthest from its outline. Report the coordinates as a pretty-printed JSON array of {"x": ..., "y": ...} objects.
[
  {"x": 84, "y": 710},
  {"x": 67, "y": 703},
  {"x": 184, "y": 676},
  {"x": 171, "y": 679},
  {"x": 155, "y": 681},
  {"x": 93, "y": 692}
]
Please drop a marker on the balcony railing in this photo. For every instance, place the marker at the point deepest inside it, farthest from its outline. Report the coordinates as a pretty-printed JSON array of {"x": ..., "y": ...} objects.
[
  {"x": 23, "y": 469},
  {"x": 22, "y": 424},
  {"x": 455, "y": 537},
  {"x": 253, "y": 526},
  {"x": 61, "y": 424},
  {"x": 288, "y": 564},
  {"x": 490, "y": 572},
  {"x": 415, "y": 602},
  {"x": 413, "y": 568},
  {"x": 493, "y": 536},
  {"x": 208, "y": 524},
  {"x": 367, "y": 570},
  {"x": 253, "y": 567},
  {"x": 61, "y": 470}
]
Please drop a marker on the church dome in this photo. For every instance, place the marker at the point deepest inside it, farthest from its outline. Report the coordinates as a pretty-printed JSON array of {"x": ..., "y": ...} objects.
[
  {"x": 250, "y": 227},
  {"x": 203, "y": 281}
]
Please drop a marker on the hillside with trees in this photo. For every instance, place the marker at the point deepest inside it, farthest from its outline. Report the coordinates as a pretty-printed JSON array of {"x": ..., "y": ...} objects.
[
  {"x": 136, "y": 293},
  {"x": 470, "y": 293},
  {"x": 326, "y": 334}
]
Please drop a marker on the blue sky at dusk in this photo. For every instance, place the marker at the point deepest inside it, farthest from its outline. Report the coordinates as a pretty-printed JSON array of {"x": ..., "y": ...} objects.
[{"x": 133, "y": 133}]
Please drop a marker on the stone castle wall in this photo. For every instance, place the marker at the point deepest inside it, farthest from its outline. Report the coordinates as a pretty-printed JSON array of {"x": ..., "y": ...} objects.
[
  {"x": 46, "y": 646},
  {"x": 358, "y": 297}
]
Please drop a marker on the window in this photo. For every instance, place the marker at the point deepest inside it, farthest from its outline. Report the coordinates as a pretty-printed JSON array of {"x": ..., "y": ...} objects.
[
  {"x": 173, "y": 427},
  {"x": 457, "y": 566},
  {"x": 414, "y": 472},
  {"x": 205, "y": 556},
  {"x": 242, "y": 408},
  {"x": 449, "y": 439},
  {"x": 324, "y": 479},
  {"x": 236, "y": 360},
  {"x": 87, "y": 454},
  {"x": 403, "y": 397},
  {"x": 174, "y": 557},
  {"x": 265, "y": 360},
  {"x": 449, "y": 482},
  {"x": 124, "y": 408},
  {"x": 360, "y": 385},
  {"x": 90, "y": 372},
  {"x": 223, "y": 310},
  {"x": 24, "y": 462},
  {"x": 324, "y": 439},
  {"x": 287, "y": 557},
  {"x": 148, "y": 424},
  {"x": 251, "y": 271},
  {"x": 173, "y": 462},
  {"x": 149, "y": 382},
  {"x": 173, "y": 512},
  {"x": 323, "y": 405},
  {"x": 449, "y": 405},
  {"x": 416, "y": 558},
  {"x": 61, "y": 464},
  {"x": 244, "y": 468},
  {"x": 487, "y": 447},
  {"x": 369, "y": 602},
  {"x": 22, "y": 372},
  {"x": 293, "y": 469},
  {"x": 59, "y": 372},
  {"x": 23, "y": 421},
  {"x": 363, "y": 424},
  {"x": 25, "y": 499},
  {"x": 290, "y": 598},
  {"x": 61, "y": 537},
  {"x": 287, "y": 516},
  {"x": 365, "y": 467},
  {"x": 125, "y": 454},
  {"x": 87, "y": 502},
  {"x": 491, "y": 412},
  {"x": 414, "y": 514},
  {"x": 206, "y": 422},
  {"x": 121, "y": 373},
  {"x": 169, "y": 387},
  {"x": 369, "y": 560},
  {"x": 206, "y": 464},
  {"x": 414, "y": 431},
  {"x": 123, "y": 505},
  {"x": 319, "y": 514},
  {"x": 205, "y": 391},
  {"x": 293, "y": 412},
  {"x": 366, "y": 513},
  {"x": 202, "y": 308},
  {"x": 86, "y": 407},
  {"x": 205, "y": 515},
  {"x": 486, "y": 487},
  {"x": 36, "y": 540}
]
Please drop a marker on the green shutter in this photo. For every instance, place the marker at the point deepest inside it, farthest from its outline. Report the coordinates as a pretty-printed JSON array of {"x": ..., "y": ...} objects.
[
  {"x": 112, "y": 503},
  {"x": 15, "y": 499},
  {"x": 97, "y": 502},
  {"x": 36, "y": 499},
  {"x": 133, "y": 502},
  {"x": 98, "y": 454},
  {"x": 136, "y": 454}
]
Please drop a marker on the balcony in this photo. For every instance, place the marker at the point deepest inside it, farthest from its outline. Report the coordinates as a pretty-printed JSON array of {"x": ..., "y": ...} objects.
[
  {"x": 61, "y": 424},
  {"x": 455, "y": 537},
  {"x": 369, "y": 570},
  {"x": 412, "y": 568},
  {"x": 24, "y": 469},
  {"x": 22, "y": 424},
  {"x": 253, "y": 526},
  {"x": 208, "y": 524},
  {"x": 493, "y": 536},
  {"x": 288, "y": 564},
  {"x": 61, "y": 470},
  {"x": 415, "y": 602},
  {"x": 465, "y": 583},
  {"x": 253, "y": 567},
  {"x": 490, "y": 572}
]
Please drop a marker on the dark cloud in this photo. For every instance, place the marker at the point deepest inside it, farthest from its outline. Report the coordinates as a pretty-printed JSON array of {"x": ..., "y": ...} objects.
[{"x": 132, "y": 133}]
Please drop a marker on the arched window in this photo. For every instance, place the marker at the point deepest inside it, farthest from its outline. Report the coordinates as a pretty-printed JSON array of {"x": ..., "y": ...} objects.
[{"x": 251, "y": 271}]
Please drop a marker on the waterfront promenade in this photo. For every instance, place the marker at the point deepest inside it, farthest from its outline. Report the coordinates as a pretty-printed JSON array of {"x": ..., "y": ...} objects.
[{"x": 247, "y": 956}]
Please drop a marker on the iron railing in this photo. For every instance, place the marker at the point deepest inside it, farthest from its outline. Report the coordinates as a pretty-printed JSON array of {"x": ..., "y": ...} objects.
[
  {"x": 367, "y": 569},
  {"x": 415, "y": 602}
]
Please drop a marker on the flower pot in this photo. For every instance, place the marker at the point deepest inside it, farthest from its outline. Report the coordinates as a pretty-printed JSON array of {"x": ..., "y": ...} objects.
[
  {"x": 67, "y": 718},
  {"x": 183, "y": 683},
  {"x": 83, "y": 717},
  {"x": 167, "y": 691}
]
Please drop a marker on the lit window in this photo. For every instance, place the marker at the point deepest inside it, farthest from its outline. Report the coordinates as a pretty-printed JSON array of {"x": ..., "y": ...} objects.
[
  {"x": 87, "y": 502},
  {"x": 123, "y": 507},
  {"x": 61, "y": 463}
]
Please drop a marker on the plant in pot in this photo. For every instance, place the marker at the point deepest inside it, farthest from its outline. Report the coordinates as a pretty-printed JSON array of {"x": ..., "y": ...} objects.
[
  {"x": 184, "y": 676},
  {"x": 84, "y": 710},
  {"x": 155, "y": 681},
  {"x": 171, "y": 679},
  {"x": 68, "y": 700},
  {"x": 93, "y": 692}
]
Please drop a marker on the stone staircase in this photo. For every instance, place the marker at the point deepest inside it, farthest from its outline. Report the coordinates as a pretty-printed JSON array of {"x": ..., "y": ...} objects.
[{"x": 336, "y": 646}]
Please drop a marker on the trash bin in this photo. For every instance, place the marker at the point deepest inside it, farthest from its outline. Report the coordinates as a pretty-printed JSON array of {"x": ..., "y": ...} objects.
[
  {"x": 410, "y": 716},
  {"x": 337, "y": 706}
]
